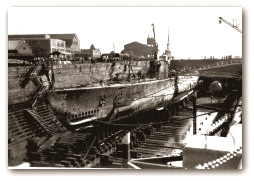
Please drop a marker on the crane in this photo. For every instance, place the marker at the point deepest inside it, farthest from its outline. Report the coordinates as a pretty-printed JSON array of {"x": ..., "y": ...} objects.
[
  {"x": 168, "y": 41},
  {"x": 155, "y": 44},
  {"x": 154, "y": 34},
  {"x": 230, "y": 24},
  {"x": 167, "y": 51}
]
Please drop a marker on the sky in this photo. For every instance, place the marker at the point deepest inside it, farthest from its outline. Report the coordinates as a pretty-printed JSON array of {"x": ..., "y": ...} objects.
[{"x": 194, "y": 32}]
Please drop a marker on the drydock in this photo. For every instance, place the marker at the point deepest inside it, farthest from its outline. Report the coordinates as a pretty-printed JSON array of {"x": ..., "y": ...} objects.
[
  {"x": 194, "y": 124},
  {"x": 131, "y": 110}
]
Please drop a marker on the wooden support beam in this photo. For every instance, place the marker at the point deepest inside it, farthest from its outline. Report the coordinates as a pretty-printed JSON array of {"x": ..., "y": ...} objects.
[
  {"x": 194, "y": 112},
  {"x": 209, "y": 107}
]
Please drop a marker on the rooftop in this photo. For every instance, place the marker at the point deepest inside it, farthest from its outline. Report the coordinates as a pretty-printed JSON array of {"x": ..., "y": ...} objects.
[{"x": 13, "y": 44}]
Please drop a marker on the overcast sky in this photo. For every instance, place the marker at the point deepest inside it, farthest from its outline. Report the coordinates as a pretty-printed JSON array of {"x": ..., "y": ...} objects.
[{"x": 195, "y": 32}]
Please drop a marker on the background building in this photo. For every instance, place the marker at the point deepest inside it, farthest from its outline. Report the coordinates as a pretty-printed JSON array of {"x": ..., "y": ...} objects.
[
  {"x": 72, "y": 42},
  {"x": 139, "y": 49},
  {"x": 19, "y": 49},
  {"x": 42, "y": 48},
  {"x": 43, "y": 45},
  {"x": 91, "y": 52}
]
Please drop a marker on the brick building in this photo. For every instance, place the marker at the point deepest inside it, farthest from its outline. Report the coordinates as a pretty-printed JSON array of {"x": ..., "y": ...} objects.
[{"x": 139, "y": 49}]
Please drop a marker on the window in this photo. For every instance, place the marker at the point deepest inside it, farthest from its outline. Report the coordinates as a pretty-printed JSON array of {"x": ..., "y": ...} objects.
[{"x": 24, "y": 48}]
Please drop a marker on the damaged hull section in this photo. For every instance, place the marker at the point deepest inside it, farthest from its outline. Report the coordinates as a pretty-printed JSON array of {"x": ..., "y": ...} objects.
[{"x": 109, "y": 103}]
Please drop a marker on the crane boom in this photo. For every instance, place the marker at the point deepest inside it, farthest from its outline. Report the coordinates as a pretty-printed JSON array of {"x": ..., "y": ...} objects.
[
  {"x": 168, "y": 41},
  {"x": 230, "y": 24},
  {"x": 155, "y": 45},
  {"x": 154, "y": 34}
]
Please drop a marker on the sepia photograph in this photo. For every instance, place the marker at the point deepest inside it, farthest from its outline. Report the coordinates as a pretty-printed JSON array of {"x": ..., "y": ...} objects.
[{"x": 125, "y": 87}]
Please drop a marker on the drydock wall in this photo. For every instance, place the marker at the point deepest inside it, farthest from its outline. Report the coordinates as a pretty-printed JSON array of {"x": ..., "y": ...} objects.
[
  {"x": 17, "y": 94},
  {"x": 77, "y": 75},
  {"x": 67, "y": 76}
]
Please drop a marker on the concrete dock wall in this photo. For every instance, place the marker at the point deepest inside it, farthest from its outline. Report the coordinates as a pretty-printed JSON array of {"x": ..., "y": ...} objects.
[
  {"x": 67, "y": 76},
  {"x": 79, "y": 75},
  {"x": 16, "y": 93}
]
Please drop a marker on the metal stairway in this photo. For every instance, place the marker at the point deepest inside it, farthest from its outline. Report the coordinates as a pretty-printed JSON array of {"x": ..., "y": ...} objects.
[{"x": 47, "y": 120}]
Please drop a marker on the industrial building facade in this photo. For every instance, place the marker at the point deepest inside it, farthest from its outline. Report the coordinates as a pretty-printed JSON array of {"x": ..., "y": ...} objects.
[
  {"x": 42, "y": 48},
  {"x": 139, "y": 49}
]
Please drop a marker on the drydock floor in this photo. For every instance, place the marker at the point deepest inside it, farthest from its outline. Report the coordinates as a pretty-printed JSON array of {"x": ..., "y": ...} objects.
[
  {"x": 164, "y": 134},
  {"x": 165, "y": 139}
]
